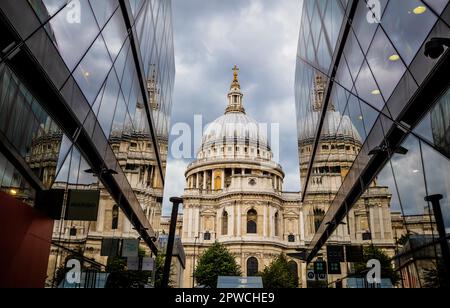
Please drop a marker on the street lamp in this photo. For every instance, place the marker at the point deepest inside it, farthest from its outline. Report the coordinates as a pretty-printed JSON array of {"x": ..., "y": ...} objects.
[
  {"x": 386, "y": 149},
  {"x": 435, "y": 47},
  {"x": 170, "y": 241},
  {"x": 103, "y": 171},
  {"x": 445, "y": 250}
]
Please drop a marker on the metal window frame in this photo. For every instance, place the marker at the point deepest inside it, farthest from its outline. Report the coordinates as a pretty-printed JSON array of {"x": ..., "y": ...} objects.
[
  {"x": 25, "y": 64},
  {"x": 418, "y": 105}
]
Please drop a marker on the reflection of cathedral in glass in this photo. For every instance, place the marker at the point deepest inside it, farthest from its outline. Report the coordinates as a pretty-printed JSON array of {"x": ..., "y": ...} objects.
[
  {"x": 83, "y": 118},
  {"x": 373, "y": 136},
  {"x": 337, "y": 150},
  {"x": 440, "y": 124},
  {"x": 136, "y": 156}
]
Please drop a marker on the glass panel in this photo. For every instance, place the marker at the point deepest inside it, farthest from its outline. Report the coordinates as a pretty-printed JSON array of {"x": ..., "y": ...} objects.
[
  {"x": 74, "y": 37},
  {"x": 115, "y": 34},
  {"x": 367, "y": 89},
  {"x": 437, "y": 174},
  {"x": 93, "y": 69},
  {"x": 385, "y": 64},
  {"x": 435, "y": 127},
  {"x": 103, "y": 10},
  {"x": 407, "y": 24},
  {"x": 13, "y": 184},
  {"x": 108, "y": 105}
]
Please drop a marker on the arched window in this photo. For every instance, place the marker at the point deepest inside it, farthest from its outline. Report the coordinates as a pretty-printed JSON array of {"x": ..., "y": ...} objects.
[
  {"x": 293, "y": 268},
  {"x": 252, "y": 216},
  {"x": 225, "y": 223},
  {"x": 291, "y": 238},
  {"x": 277, "y": 227},
  {"x": 252, "y": 267},
  {"x": 318, "y": 218},
  {"x": 115, "y": 217},
  {"x": 217, "y": 183},
  {"x": 218, "y": 180}
]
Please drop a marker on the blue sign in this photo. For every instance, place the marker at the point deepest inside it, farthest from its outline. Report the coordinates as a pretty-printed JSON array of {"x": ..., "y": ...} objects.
[{"x": 239, "y": 282}]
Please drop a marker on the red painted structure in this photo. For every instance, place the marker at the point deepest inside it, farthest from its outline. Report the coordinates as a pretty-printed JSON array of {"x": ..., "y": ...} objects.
[{"x": 25, "y": 238}]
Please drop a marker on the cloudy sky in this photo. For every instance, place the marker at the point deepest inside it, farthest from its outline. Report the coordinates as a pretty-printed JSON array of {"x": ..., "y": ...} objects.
[{"x": 260, "y": 36}]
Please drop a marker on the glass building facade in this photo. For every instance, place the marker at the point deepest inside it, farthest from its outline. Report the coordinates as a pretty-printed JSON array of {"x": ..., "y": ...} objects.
[
  {"x": 370, "y": 96},
  {"x": 85, "y": 102}
]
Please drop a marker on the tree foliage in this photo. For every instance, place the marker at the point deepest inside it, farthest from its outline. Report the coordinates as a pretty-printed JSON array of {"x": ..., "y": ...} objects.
[
  {"x": 435, "y": 277},
  {"x": 119, "y": 277},
  {"x": 214, "y": 262},
  {"x": 159, "y": 271},
  {"x": 278, "y": 275}
]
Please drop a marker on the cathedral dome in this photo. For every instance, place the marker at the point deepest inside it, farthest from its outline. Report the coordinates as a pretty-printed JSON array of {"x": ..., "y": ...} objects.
[
  {"x": 335, "y": 126},
  {"x": 235, "y": 127}
]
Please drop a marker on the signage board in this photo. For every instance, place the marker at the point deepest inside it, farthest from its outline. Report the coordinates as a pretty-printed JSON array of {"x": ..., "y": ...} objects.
[
  {"x": 322, "y": 277},
  {"x": 82, "y": 205},
  {"x": 320, "y": 267},
  {"x": 110, "y": 247},
  {"x": 133, "y": 263},
  {"x": 148, "y": 264},
  {"x": 335, "y": 253},
  {"x": 130, "y": 247},
  {"x": 334, "y": 268},
  {"x": 310, "y": 275},
  {"x": 239, "y": 282}
]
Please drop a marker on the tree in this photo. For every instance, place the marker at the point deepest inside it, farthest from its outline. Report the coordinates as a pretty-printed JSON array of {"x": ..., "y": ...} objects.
[
  {"x": 278, "y": 275},
  {"x": 120, "y": 277},
  {"x": 387, "y": 271},
  {"x": 435, "y": 277},
  {"x": 403, "y": 240},
  {"x": 214, "y": 262},
  {"x": 159, "y": 271}
]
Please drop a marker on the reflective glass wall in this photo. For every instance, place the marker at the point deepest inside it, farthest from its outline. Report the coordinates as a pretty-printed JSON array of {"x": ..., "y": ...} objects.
[
  {"x": 89, "y": 112},
  {"x": 373, "y": 131}
]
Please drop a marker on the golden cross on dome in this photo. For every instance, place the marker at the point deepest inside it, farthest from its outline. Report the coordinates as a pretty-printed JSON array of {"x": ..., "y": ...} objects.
[{"x": 236, "y": 72}]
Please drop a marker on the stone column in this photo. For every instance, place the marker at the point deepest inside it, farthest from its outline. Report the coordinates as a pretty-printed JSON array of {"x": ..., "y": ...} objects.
[
  {"x": 271, "y": 225},
  {"x": 372, "y": 221},
  {"x": 189, "y": 222},
  {"x": 204, "y": 180},
  {"x": 231, "y": 226},
  {"x": 197, "y": 221},
  {"x": 301, "y": 226},
  {"x": 197, "y": 184},
  {"x": 239, "y": 220},
  {"x": 265, "y": 221},
  {"x": 380, "y": 214},
  {"x": 101, "y": 218},
  {"x": 223, "y": 179},
  {"x": 218, "y": 223},
  {"x": 303, "y": 269}
]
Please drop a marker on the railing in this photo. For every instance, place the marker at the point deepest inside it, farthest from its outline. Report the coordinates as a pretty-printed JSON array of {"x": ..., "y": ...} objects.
[
  {"x": 210, "y": 192},
  {"x": 265, "y": 162}
]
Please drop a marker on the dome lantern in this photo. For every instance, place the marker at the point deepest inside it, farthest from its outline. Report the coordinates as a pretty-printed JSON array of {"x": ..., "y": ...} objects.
[
  {"x": 235, "y": 129},
  {"x": 235, "y": 95}
]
